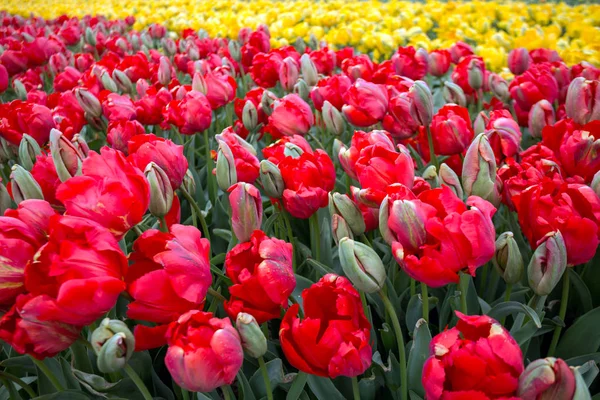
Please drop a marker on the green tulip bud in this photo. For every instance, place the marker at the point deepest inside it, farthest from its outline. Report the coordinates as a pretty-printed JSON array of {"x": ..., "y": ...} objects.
[
  {"x": 301, "y": 89},
  {"x": 448, "y": 177},
  {"x": 271, "y": 180},
  {"x": 431, "y": 176},
  {"x": 479, "y": 169},
  {"x": 361, "y": 265},
  {"x": 5, "y": 200},
  {"x": 23, "y": 185},
  {"x": 90, "y": 36},
  {"x": 90, "y": 103},
  {"x": 267, "y": 101},
  {"x": 199, "y": 83},
  {"x": 65, "y": 155},
  {"x": 480, "y": 122},
  {"x": 340, "y": 228},
  {"x": 507, "y": 258},
  {"x": 114, "y": 344},
  {"x": 108, "y": 82},
  {"x": 29, "y": 149},
  {"x": 547, "y": 378},
  {"x": 161, "y": 191},
  {"x": 421, "y": 106},
  {"x": 343, "y": 205},
  {"x": 547, "y": 264},
  {"x": 189, "y": 183},
  {"x": 253, "y": 340},
  {"x": 300, "y": 45},
  {"x": 596, "y": 183},
  {"x": 19, "y": 89},
  {"x": 226, "y": 173},
  {"x": 333, "y": 119},
  {"x": 453, "y": 93},
  {"x": 250, "y": 116},
  {"x": 309, "y": 70},
  {"x": 234, "y": 50},
  {"x": 122, "y": 81}
]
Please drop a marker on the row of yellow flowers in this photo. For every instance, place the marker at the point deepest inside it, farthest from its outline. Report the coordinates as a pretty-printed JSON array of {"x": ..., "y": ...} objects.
[{"x": 374, "y": 27}]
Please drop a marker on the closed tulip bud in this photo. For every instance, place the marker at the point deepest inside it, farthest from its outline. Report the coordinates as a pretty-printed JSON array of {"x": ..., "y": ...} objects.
[
  {"x": 19, "y": 89},
  {"x": 5, "y": 200},
  {"x": 499, "y": 87},
  {"x": 246, "y": 210},
  {"x": 547, "y": 264},
  {"x": 342, "y": 204},
  {"x": 338, "y": 146},
  {"x": 254, "y": 341},
  {"x": 288, "y": 74},
  {"x": 250, "y": 116},
  {"x": 90, "y": 36},
  {"x": 300, "y": 45},
  {"x": 431, "y": 176},
  {"x": 518, "y": 60},
  {"x": 340, "y": 228},
  {"x": 507, "y": 258},
  {"x": 226, "y": 173},
  {"x": 583, "y": 101},
  {"x": 88, "y": 102},
  {"x": 540, "y": 116},
  {"x": 313, "y": 42},
  {"x": 108, "y": 82},
  {"x": 479, "y": 168},
  {"x": 122, "y": 80},
  {"x": 480, "y": 122},
  {"x": 29, "y": 149},
  {"x": 595, "y": 185},
  {"x": 23, "y": 185},
  {"x": 309, "y": 70},
  {"x": 475, "y": 75},
  {"x": 114, "y": 344},
  {"x": 301, "y": 89},
  {"x": 547, "y": 378},
  {"x": 65, "y": 155},
  {"x": 454, "y": 94},
  {"x": 161, "y": 191},
  {"x": 421, "y": 105},
  {"x": 199, "y": 83},
  {"x": 81, "y": 145},
  {"x": 234, "y": 50},
  {"x": 267, "y": 101},
  {"x": 169, "y": 46},
  {"x": 361, "y": 265},
  {"x": 333, "y": 119},
  {"x": 189, "y": 183},
  {"x": 147, "y": 40},
  {"x": 8, "y": 151},
  {"x": 447, "y": 177},
  {"x": 271, "y": 180},
  {"x": 292, "y": 150},
  {"x": 164, "y": 71},
  {"x": 203, "y": 34}
]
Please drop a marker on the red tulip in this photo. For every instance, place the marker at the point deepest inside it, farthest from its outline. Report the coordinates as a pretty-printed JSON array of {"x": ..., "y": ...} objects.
[
  {"x": 324, "y": 60},
  {"x": 44, "y": 173},
  {"x": 276, "y": 151},
  {"x": 262, "y": 276},
  {"x": 451, "y": 130},
  {"x": 459, "y": 50},
  {"x": 518, "y": 60},
  {"x": 289, "y": 71},
  {"x": 36, "y": 215},
  {"x": 469, "y": 68},
  {"x": 66, "y": 80},
  {"x": 536, "y": 84},
  {"x": 204, "y": 352},
  {"x": 399, "y": 121},
  {"x": 220, "y": 86},
  {"x": 477, "y": 359},
  {"x": 119, "y": 134},
  {"x": 149, "y": 107},
  {"x": 144, "y": 149},
  {"x": 410, "y": 63},
  {"x": 333, "y": 338},
  {"x": 544, "y": 55},
  {"x": 359, "y": 66},
  {"x": 583, "y": 101},
  {"x": 291, "y": 116},
  {"x": 19, "y": 117},
  {"x": 360, "y": 141},
  {"x": 439, "y": 62},
  {"x": 366, "y": 103},
  {"x": 265, "y": 69},
  {"x": 169, "y": 275},
  {"x": 246, "y": 162},
  {"x": 118, "y": 108},
  {"x": 504, "y": 134},
  {"x": 331, "y": 89},
  {"x": 3, "y": 78},
  {"x": 190, "y": 115},
  {"x": 111, "y": 191}
]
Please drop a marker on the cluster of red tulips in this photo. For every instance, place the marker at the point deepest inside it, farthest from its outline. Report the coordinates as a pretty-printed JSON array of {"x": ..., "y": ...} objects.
[{"x": 184, "y": 213}]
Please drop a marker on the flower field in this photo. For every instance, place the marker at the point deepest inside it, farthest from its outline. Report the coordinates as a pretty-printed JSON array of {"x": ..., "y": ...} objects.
[{"x": 313, "y": 200}]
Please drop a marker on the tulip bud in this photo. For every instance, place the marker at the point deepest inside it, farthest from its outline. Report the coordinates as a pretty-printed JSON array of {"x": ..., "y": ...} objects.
[
  {"x": 340, "y": 228},
  {"x": 19, "y": 89},
  {"x": 361, "y": 265},
  {"x": 271, "y": 180},
  {"x": 421, "y": 105},
  {"x": 479, "y": 168},
  {"x": 431, "y": 176},
  {"x": 333, "y": 119},
  {"x": 8, "y": 151},
  {"x": 29, "y": 149},
  {"x": 313, "y": 42},
  {"x": 342, "y": 204},
  {"x": 253, "y": 339},
  {"x": 67, "y": 158},
  {"x": 300, "y": 45},
  {"x": 114, "y": 344},
  {"x": 88, "y": 102},
  {"x": 547, "y": 264},
  {"x": 309, "y": 70},
  {"x": 480, "y": 122},
  {"x": 454, "y": 94},
  {"x": 90, "y": 36},
  {"x": 108, "y": 82},
  {"x": 81, "y": 145},
  {"x": 267, "y": 101},
  {"x": 547, "y": 378},
  {"x": 202, "y": 34},
  {"x": 199, "y": 83},
  {"x": 507, "y": 258},
  {"x": 234, "y": 50},
  {"x": 246, "y": 210},
  {"x": 474, "y": 75},
  {"x": 226, "y": 173},
  {"x": 301, "y": 89},
  {"x": 288, "y": 74},
  {"x": 250, "y": 116},
  {"x": 499, "y": 87},
  {"x": 518, "y": 60},
  {"x": 583, "y": 101},
  {"x": 338, "y": 146},
  {"x": 169, "y": 46},
  {"x": 292, "y": 150},
  {"x": 5, "y": 200},
  {"x": 122, "y": 80},
  {"x": 23, "y": 185},
  {"x": 161, "y": 191},
  {"x": 164, "y": 71},
  {"x": 189, "y": 183},
  {"x": 147, "y": 40},
  {"x": 448, "y": 177},
  {"x": 595, "y": 185},
  {"x": 540, "y": 115}
]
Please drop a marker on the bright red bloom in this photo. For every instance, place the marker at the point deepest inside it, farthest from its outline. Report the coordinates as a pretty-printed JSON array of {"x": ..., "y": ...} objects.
[
  {"x": 459, "y": 50},
  {"x": 276, "y": 151},
  {"x": 144, "y": 149},
  {"x": 111, "y": 191},
  {"x": 308, "y": 179},
  {"x": 44, "y": 173},
  {"x": 68, "y": 115},
  {"x": 331, "y": 89},
  {"x": 333, "y": 338},
  {"x": 357, "y": 67},
  {"x": 255, "y": 97},
  {"x": 439, "y": 62},
  {"x": 19, "y": 117},
  {"x": 66, "y": 80},
  {"x": 410, "y": 63},
  {"x": 291, "y": 116},
  {"x": 204, "y": 352},
  {"x": 477, "y": 359},
  {"x": 366, "y": 103},
  {"x": 571, "y": 208},
  {"x": 543, "y": 55},
  {"x": 518, "y": 60},
  {"x": 220, "y": 86},
  {"x": 262, "y": 276},
  {"x": 451, "y": 130},
  {"x": 535, "y": 84},
  {"x": 150, "y": 106},
  {"x": 265, "y": 69},
  {"x": 460, "y": 75},
  {"x": 504, "y": 134},
  {"x": 246, "y": 163},
  {"x": 119, "y": 134},
  {"x": 169, "y": 275},
  {"x": 399, "y": 122},
  {"x": 117, "y": 108},
  {"x": 324, "y": 59},
  {"x": 190, "y": 115}
]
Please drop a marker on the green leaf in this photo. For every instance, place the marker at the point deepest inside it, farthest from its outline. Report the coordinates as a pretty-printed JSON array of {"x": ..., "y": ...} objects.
[
  {"x": 582, "y": 337},
  {"x": 224, "y": 234},
  {"x": 275, "y": 372},
  {"x": 20, "y": 366},
  {"x": 66, "y": 395},
  {"x": 414, "y": 311},
  {"x": 95, "y": 384},
  {"x": 511, "y": 307},
  {"x": 419, "y": 352},
  {"x": 301, "y": 284},
  {"x": 581, "y": 289},
  {"x": 368, "y": 387},
  {"x": 245, "y": 388},
  {"x": 297, "y": 386},
  {"x": 588, "y": 372},
  {"x": 323, "y": 269},
  {"x": 44, "y": 385},
  {"x": 577, "y": 361},
  {"x": 67, "y": 371},
  {"x": 485, "y": 307},
  {"x": 323, "y": 388}
]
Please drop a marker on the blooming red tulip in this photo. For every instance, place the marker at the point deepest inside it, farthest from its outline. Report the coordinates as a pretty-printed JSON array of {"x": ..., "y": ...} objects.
[
  {"x": 3, "y": 78},
  {"x": 67, "y": 80},
  {"x": 366, "y": 103},
  {"x": 331, "y": 89},
  {"x": 246, "y": 162},
  {"x": 459, "y": 50},
  {"x": 451, "y": 130},
  {"x": 359, "y": 66},
  {"x": 504, "y": 134},
  {"x": 144, "y": 149},
  {"x": 477, "y": 359},
  {"x": 149, "y": 107},
  {"x": 536, "y": 84},
  {"x": 439, "y": 62},
  {"x": 399, "y": 121},
  {"x": 465, "y": 70},
  {"x": 36, "y": 215},
  {"x": 265, "y": 69},
  {"x": 262, "y": 276},
  {"x": 44, "y": 173},
  {"x": 410, "y": 63},
  {"x": 291, "y": 116},
  {"x": 118, "y": 108},
  {"x": 583, "y": 101},
  {"x": 18, "y": 117},
  {"x": 204, "y": 352},
  {"x": 119, "y": 134},
  {"x": 333, "y": 338},
  {"x": 220, "y": 87},
  {"x": 190, "y": 115},
  {"x": 543, "y": 55},
  {"x": 518, "y": 60}
]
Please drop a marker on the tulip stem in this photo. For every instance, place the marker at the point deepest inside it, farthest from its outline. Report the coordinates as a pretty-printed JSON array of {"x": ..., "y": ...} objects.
[
  {"x": 432, "y": 157},
  {"x": 18, "y": 381},
  {"x": 355, "y": 390},
  {"x": 210, "y": 179},
  {"x": 315, "y": 236},
  {"x": 464, "y": 286},
  {"x": 197, "y": 210},
  {"x": 216, "y": 294},
  {"x": 290, "y": 235},
  {"x": 49, "y": 374},
  {"x": 265, "y": 374},
  {"x": 507, "y": 294},
  {"x": 138, "y": 382},
  {"x": 163, "y": 225},
  {"x": 400, "y": 343},
  {"x": 562, "y": 312},
  {"x": 425, "y": 300},
  {"x": 226, "y": 392},
  {"x": 185, "y": 394}
]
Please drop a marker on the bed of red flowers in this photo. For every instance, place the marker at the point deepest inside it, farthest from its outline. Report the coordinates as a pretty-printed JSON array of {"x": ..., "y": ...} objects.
[{"x": 194, "y": 217}]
